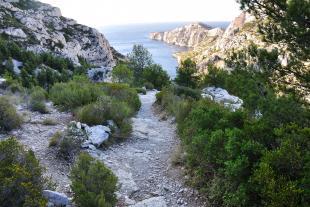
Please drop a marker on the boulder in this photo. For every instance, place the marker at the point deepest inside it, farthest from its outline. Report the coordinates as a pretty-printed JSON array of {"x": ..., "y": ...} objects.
[
  {"x": 14, "y": 32},
  {"x": 220, "y": 95},
  {"x": 56, "y": 198},
  {"x": 97, "y": 135}
]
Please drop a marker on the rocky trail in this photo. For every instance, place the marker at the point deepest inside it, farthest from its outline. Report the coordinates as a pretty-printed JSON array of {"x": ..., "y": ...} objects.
[{"x": 143, "y": 163}]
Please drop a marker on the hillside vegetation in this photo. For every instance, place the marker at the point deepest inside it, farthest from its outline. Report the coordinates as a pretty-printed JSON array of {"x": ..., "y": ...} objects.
[{"x": 257, "y": 155}]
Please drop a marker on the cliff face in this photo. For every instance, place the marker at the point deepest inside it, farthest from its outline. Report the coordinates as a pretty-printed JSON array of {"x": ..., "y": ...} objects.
[
  {"x": 41, "y": 28},
  {"x": 189, "y": 35},
  {"x": 238, "y": 35}
]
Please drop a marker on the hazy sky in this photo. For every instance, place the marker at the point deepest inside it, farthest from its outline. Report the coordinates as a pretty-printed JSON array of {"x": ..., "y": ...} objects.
[{"x": 99, "y": 13}]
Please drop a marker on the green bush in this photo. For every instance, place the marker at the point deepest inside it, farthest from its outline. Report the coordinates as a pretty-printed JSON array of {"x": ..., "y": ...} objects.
[
  {"x": 186, "y": 74},
  {"x": 78, "y": 92},
  {"x": 122, "y": 74},
  {"x": 243, "y": 161},
  {"x": 21, "y": 181},
  {"x": 141, "y": 90},
  {"x": 155, "y": 75},
  {"x": 106, "y": 108},
  {"x": 148, "y": 85},
  {"x": 9, "y": 118},
  {"x": 93, "y": 184},
  {"x": 37, "y": 100},
  {"x": 187, "y": 92},
  {"x": 124, "y": 93}
]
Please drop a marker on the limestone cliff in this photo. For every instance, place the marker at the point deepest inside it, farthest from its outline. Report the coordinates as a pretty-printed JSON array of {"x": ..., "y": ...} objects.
[
  {"x": 189, "y": 35},
  {"x": 40, "y": 28},
  {"x": 239, "y": 34}
]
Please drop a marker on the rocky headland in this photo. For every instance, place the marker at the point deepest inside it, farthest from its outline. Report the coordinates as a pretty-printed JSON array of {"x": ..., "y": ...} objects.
[{"x": 190, "y": 35}]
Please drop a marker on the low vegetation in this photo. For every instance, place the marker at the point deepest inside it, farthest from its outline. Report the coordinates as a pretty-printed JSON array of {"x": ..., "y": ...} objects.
[
  {"x": 9, "y": 118},
  {"x": 75, "y": 93},
  {"x": 21, "y": 181},
  {"x": 37, "y": 100},
  {"x": 93, "y": 184},
  {"x": 255, "y": 156},
  {"x": 42, "y": 70}
]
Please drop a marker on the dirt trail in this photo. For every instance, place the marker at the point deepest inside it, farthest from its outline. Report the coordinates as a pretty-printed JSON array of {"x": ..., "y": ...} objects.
[{"x": 143, "y": 163}]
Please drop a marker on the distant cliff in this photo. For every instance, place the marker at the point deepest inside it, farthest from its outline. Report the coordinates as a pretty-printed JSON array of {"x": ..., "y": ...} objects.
[
  {"x": 189, "y": 35},
  {"x": 41, "y": 28},
  {"x": 238, "y": 35}
]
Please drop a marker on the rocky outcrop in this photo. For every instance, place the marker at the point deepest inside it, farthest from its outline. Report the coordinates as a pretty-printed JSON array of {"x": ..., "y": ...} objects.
[
  {"x": 238, "y": 35},
  {"x": 41, "y": 28},
  {"x": 188, "y": 36},
  {"x": 220, "y": 95}
]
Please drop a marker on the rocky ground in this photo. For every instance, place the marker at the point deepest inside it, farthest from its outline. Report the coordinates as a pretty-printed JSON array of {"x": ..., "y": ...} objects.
[
  {"x": 143, "y": 163},
  {"x": 35, "y": 134}
]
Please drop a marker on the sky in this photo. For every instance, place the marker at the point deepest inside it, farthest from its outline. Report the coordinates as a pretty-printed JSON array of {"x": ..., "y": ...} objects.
[{"x": 98, "y": 13}]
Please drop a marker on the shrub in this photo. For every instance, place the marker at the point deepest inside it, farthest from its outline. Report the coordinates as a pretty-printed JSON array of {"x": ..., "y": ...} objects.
[
  {"x": 92, "y": 114},
  {"x": 155, "y": 75},
  {"x": 187, "y": 92},
  {"x": 49, "y": 122},
  {"x": 141, "y": 90},
  {"x": 75, "y": 93},
  {"x": 37, "y": 100},
  {"x": 124, "y": 93},
  {"x": 149, "y": 85},
  {"x": 93, "y": 184},
  {"x": 106, "y": 108},
  {"x": 122, "y": 74},
  {"x": 54, "y": 140},
  {"x": 9, "y": 119},
  {"x": 21, "y": 181}
]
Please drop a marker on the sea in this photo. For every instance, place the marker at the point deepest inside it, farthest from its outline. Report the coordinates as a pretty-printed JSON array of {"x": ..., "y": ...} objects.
[{"x": 123, "y": 37}]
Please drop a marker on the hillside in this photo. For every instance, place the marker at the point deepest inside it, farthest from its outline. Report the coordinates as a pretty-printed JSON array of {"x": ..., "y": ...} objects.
[
  {"x": 241, "y": 32},
  {"x": 41, "y": 28}
]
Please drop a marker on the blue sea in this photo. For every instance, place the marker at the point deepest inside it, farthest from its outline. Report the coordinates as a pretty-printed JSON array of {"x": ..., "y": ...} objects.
[{"x": 123, "y": 37}]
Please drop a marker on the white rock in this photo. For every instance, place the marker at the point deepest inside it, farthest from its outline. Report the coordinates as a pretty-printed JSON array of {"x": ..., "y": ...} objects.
[
  {"x": 152, "y": 202},
  {"x": 97, "y": 134},
  {"x": 2, "y": 80},
  {"x": 220, "y": 95},
  {"x": 15, "y": 32},
  {"x": 58, "y": 199},
  {"x": 17, "y": 64}
]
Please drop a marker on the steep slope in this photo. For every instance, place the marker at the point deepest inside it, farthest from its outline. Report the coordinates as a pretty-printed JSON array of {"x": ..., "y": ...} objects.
[
  {"x": 187, "y": 36},
  {"x": 41, "y": 28},
  {"x": 238, "y": 35}
]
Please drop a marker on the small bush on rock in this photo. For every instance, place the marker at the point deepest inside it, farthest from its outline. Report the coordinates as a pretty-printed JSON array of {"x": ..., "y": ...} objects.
[
  {"x": 93, "y": 184},
  {"x": 9, "y": 119}
]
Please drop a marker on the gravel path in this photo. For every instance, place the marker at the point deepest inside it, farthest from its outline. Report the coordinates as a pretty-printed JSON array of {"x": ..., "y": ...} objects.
[{"x": 143, "y": 165}]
